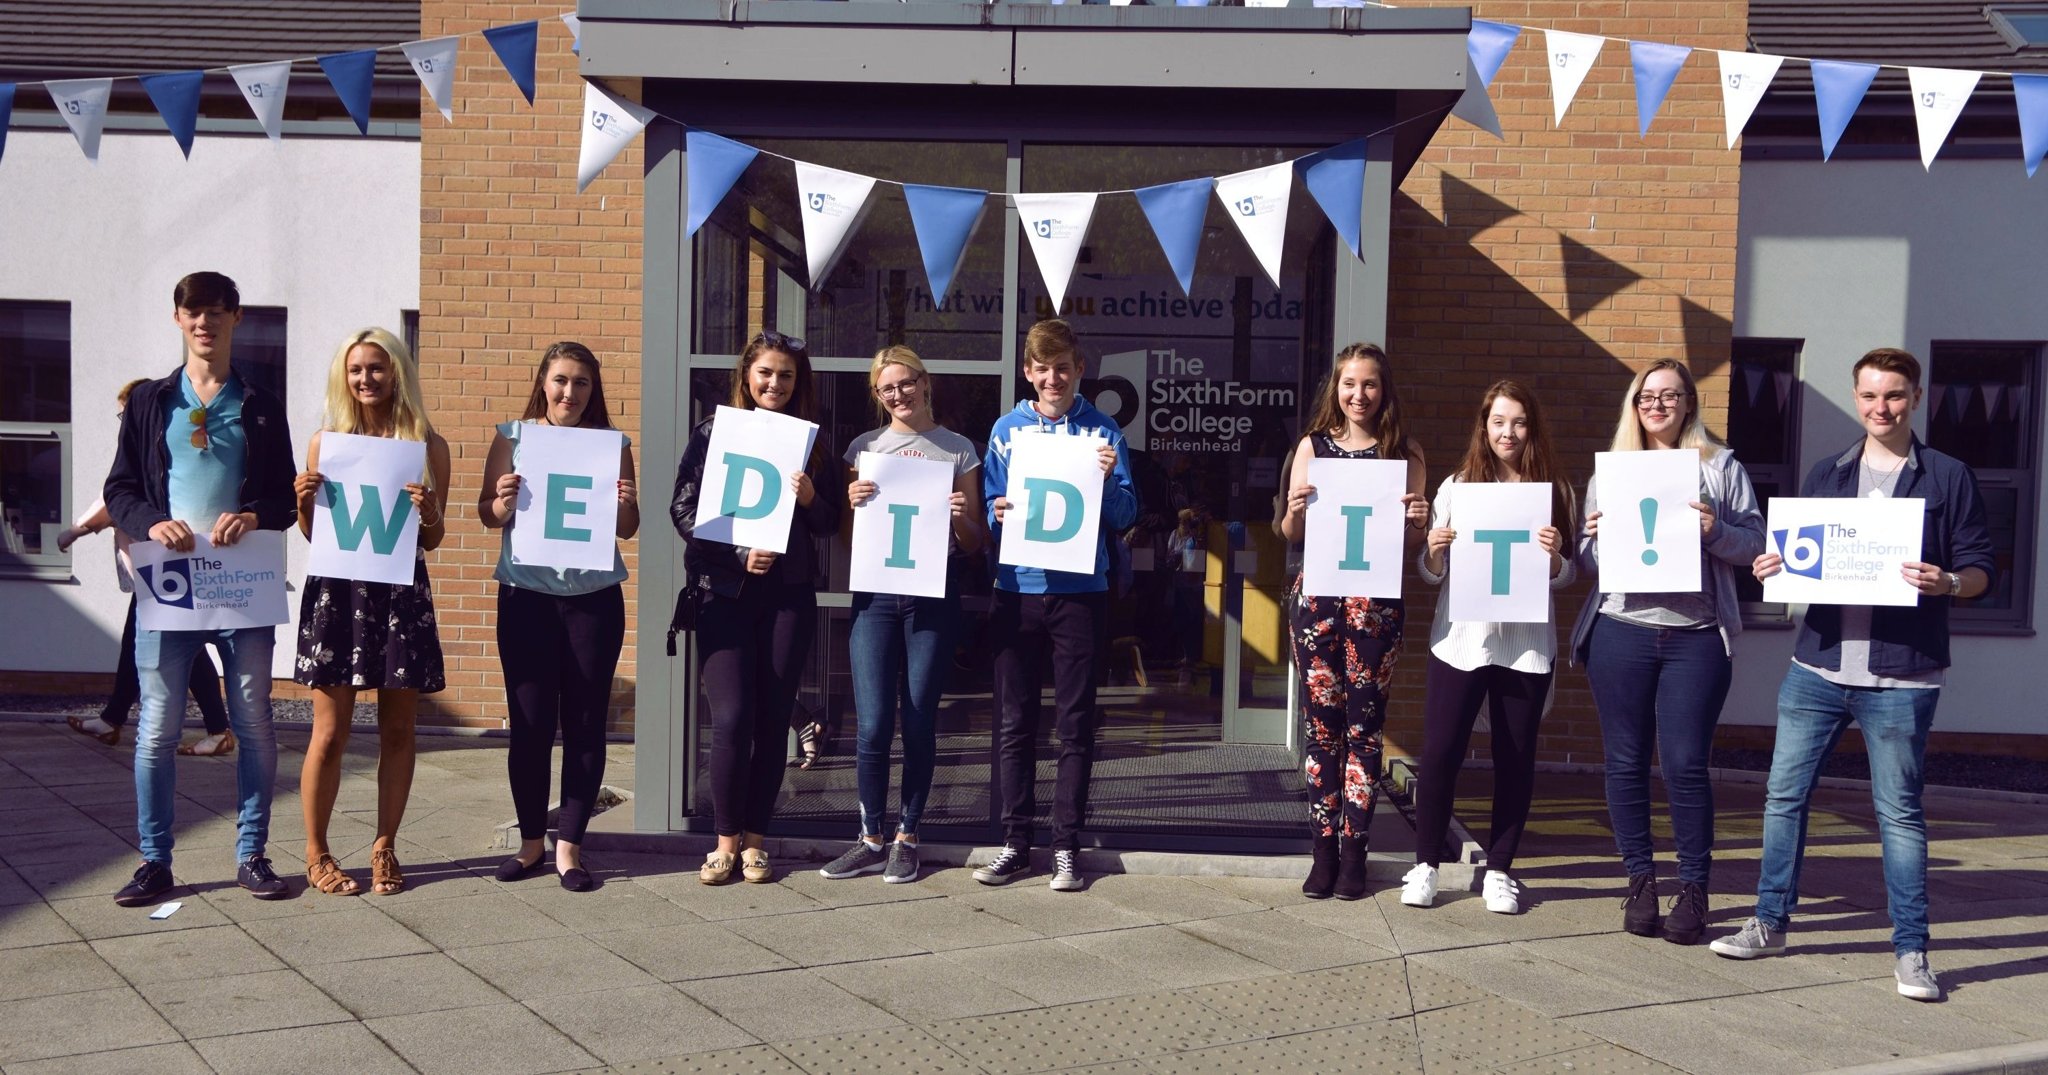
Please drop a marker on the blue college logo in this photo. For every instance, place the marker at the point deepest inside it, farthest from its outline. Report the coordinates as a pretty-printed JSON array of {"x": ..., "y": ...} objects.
[
  {"x": 817, "y": 202},
  {"x": 1805, "y": 550},
  {"x": 1247, "y": 207},
  {"x": 1043, "y": 227},
  {"x": 169, "y": 582}
]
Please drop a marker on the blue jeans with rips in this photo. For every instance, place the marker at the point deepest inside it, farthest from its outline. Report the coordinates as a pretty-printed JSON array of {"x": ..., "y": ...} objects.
[
  {"x": 901, "y": 649},
  {"x": 163, "y": 663}
]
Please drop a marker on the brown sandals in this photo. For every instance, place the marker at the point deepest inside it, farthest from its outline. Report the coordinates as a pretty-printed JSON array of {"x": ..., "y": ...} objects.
[
  {"x": 327, "y": 876},
  {"x": 385, "y": 876},
  {"x": 212, "y": 746},
  {"x": 111, "y": 738}
]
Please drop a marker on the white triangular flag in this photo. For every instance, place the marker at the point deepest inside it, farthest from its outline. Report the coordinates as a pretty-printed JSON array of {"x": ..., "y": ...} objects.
[
  {"x": 608, "y": 124},
  {"x": 1939, "y": 95},
  {"x": 1569, "y": 56},
  {"x": 263, "y": 86},
  {"x": 83, "y": 104},
  {"x": 434, "y": 62},
  {"x": 1257, "y": 201},
  {"x": 1744, "y": 78},
  {"x": 832, "y": 204},
  {"x": 1055, "y": 224}
]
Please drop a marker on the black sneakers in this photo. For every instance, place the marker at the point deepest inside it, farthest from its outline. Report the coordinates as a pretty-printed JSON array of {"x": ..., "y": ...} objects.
[
  {"x": 152, "y": 880},
  {"x": 1688, "y": 918},
  {"x": 1639, "y": 910},
  {"x": 261, "y": 881},
  {"x": 1009, "y": 864}
]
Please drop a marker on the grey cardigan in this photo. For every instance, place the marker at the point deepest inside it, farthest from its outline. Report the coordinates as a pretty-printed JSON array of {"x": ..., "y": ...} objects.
[{"x": 1736, "y": 540}]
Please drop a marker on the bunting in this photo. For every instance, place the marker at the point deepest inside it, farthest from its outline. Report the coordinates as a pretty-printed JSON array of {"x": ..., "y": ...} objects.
[
  {"x": 944, "y": 219},
  {"x": 1055, "y": 225},
  {"x": 264, "y": 85},
  {"x": 351, "y": 75},
  {"x": 715, "y": 164},
  {"x": 517, "y": 46},
  {"x": 1939, "y": 95},
  {"x": 1335, "y": 178},
  {"x": 1744, "y": 78},
  {"x": 434, "y": 62},
  {"x": 608, "y": 125},
  {"x": 1655, "y": 67},
  {"x": 833, "y": 205},
  {"x": 1570, "y": 57},
  {"x": 1486, "y": 47},
  {"x": 1176, "y": 212},
  {"x": 2030, "y": 94},
  {"x": 1837, "y": 89},
  {"x": 1256, "y": 201},
  {"x": 575, "y": 26},
  {"x": 6, "y": 114},
  {"x": 82, "y": 102},
  {"x": 176, "y": 97}
]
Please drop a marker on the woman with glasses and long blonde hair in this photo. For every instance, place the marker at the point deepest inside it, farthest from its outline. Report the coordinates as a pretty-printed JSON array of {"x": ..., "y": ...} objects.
[
  {"x": 356, "y": 636},
  {"x": 759, "y": 611},
  {"x": 900, "y": 645},
  {"x": 1659, "y": 662}
]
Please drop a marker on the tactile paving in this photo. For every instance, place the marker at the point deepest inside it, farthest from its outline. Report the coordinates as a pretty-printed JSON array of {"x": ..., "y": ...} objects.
[
  {"x": 1151, "y": 1024},
  {"x": 1492, "y": 1033},
  {"x": 882, "y": 1052},
  {"x": 1602, "y": 1059},
  {"x": 752, "y": 1060},
  {"x": 1123, "y": 1028},
  {"x": 1019, "y": 1042},
  {"x": 1429, "y": 989},
  {"x": 1319, "y": 1000}
]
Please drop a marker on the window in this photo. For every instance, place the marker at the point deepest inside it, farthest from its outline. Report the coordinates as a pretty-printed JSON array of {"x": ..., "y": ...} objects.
[
  {"x": 1763, "y": 428},
  {"x": 409, "y": 331},
  {"x": 35, "y": 437},
  {"x": 2024, "y": 26},
  {"x": 1983, "y": 407},
  {"x": 259, "y": 349}
]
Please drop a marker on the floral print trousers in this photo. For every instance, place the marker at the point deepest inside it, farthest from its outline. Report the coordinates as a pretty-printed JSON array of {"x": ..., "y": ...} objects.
[{"x": 1345, "y": 648}]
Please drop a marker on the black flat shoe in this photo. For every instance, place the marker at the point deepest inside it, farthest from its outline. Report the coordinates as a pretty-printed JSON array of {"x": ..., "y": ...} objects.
[
  {"x": 577, "y": 879},
  {"x": 512, "y": 869}
]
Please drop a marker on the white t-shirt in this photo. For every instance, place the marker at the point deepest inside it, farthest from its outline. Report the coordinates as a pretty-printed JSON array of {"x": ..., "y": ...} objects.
[{"x": 937, "y": 443}]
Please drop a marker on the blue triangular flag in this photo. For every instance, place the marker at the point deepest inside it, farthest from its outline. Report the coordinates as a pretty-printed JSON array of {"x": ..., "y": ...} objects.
[
  {"x": 6, "y": 113},
  {"x": 2030, "y": 93},
  {"x": 1176, "y": 211},
  {"x": 350, "y": 73},
  {"x": 1487, "y": 45},
  {"x": 1656, "y": 66},
  {"x": 1335, "y": 177},
  {"x": 516, "y": 45},
  {"x": 1837, "y": 89},
  {"x": 176, "y": 96},
  {"x": 944, "y": 218},
  {"x": 715, "y": 165},
  {"x": 575, "y": 26}
]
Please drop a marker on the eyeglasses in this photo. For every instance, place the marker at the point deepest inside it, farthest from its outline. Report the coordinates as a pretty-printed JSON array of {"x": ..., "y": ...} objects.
[
  {"x": 198, "y": 417},
  {"x": 777, "y": 341},
  {"x": 1668, "y": 398},
  {"x": 900, "y": 388}
]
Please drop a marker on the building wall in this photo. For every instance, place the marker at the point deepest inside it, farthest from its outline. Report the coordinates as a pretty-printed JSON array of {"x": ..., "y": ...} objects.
[
  {"x": 321, "y": 226},
  {"x": 1851, "y": 255}
]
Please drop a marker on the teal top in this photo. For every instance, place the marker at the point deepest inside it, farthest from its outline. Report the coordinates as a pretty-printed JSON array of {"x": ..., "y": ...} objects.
[
  {"x": 205, "y": 483},
  {"x": 560, "y": 581}
]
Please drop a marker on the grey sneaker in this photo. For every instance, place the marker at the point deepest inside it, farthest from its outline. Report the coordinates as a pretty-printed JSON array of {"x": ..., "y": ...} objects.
[
  {"x": 902, "y": 868},
  {"x": 1916, "y": 978},
  {"x": 1065, "y": 878},
  {"x": 858, "y": 859},
  {"x": 1752, "y": 940}
]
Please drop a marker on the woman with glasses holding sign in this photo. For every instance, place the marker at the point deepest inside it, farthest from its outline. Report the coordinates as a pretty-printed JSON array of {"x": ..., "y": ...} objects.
[
  {"x": 1509, "y": 665},
  {"x": 356, "y": 635},
  {"x": 1346, "y": 647},
  {"x": 559, "y": 628},
  {"x": 758, "y": 611},
  {"x": 1659, "y": 662},
  {"x": 900, "y": 645}
]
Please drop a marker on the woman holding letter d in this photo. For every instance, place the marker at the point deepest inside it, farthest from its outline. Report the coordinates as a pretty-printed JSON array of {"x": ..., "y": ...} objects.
[
  {"x": 1659, "y": 662},
  {"x": 1506, "y": 664},
  {"x": 1346, "y": 647},
  {"x": 559, "y": 629},
  {"x": 369, "y": 635},
  {"x": 759, "y": 612},
  {"x": 900, "y": 645}
]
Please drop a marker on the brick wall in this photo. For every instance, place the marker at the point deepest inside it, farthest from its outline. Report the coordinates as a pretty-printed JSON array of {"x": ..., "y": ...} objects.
[
  {"x": 512, "y": 259},
  {"x": 1565, "y": 258}
]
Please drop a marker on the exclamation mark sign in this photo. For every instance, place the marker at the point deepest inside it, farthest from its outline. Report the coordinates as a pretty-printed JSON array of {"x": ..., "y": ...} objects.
[{"x": 1649, "y": 507}]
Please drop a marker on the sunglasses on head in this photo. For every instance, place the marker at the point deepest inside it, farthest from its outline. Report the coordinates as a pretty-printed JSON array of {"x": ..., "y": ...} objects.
[{"x": 777, "y": 341}]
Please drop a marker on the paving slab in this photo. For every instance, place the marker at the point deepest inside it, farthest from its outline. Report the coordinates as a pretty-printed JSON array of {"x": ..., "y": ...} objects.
[
  {"x": 31, "y": 924},
  {"x": 1053, "y": 972},
  {"x": 183, "y": 955},
  {"x": 643, "y": 1023},
  {"x": 354, "y": 931},
  {"x": 927, "y": 989},
  {"x": 1347, "y": 996},
  {"x": 1172, "y": 957},
  {"x": 1054, "y": 914},
  {"x": 490, "y": 918},
  {"x": 1163, "y": 899},
  {"x": 816, "y": 938},
  {"x": 877, "y": 1052},
  {"x": 350, "y": 1045},
  {"x": 1282, "y": 941},
  {"x": 499, "y": 1039},
  {"x": 177, "y": 1058},
  {"x": 624, "y": 904},
  {"x": 99, "y": 917},
  {"x": 38, "y": 1028},
  {"x": 1601, "y": 1059},
  {"x": 44, "y": 819},
  {"x": 734, "y": 899},
  {"x": 51, "y": 969},
  {"x": 688, "y": 952},
  {"x": 242, "y": 1003},
  {"x": 938, "y": 925},
  {"x": 752, "y": 1060},
  {"x": 398, "y": 985},
  {"x": 550, "y": 967},
  {"x": 786, "y": 1005}
]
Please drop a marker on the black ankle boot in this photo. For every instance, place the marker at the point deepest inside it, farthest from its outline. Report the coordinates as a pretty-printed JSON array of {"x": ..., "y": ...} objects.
[
  {"x": 1688, "y": 917},
  {"x": 1639, "y": 910},
  {"x": 1322, "y": 873},
  {"x": 1350, "y": 868}
]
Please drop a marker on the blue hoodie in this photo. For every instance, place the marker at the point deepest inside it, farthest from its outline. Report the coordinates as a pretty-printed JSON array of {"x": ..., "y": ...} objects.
[{"x": 1119, "y": 496}]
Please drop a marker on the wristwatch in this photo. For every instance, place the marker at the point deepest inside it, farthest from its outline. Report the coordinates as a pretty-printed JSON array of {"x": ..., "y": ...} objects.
[{"x": 1955, "y": 584}]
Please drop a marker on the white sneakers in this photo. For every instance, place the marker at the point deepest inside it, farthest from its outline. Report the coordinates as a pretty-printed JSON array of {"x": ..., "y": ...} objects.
[
  {"x": 1418, "y": 887},
  {"x": 1503, "y": 894}
]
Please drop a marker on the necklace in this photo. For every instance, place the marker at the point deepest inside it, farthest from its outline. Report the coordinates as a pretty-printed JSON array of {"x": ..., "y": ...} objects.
[{"x": 1879, "y": 481}]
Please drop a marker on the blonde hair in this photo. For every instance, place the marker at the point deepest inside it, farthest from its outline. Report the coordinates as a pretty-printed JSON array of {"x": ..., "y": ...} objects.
[
  {"x": 1628, "y": 432},
  {"x": 898, "y": 355},
  {"x": 344, "y": 414}
]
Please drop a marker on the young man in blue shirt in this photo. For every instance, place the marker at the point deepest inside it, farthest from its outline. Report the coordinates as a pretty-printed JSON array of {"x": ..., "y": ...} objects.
[
  {"x": 1881, "y": 668},
  {"x": 200, "y": 451},
  {"x": 1036, "y": 614}
]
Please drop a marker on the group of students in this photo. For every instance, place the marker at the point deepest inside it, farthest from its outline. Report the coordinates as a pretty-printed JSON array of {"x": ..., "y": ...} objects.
[{"x": 201, "y": 445}]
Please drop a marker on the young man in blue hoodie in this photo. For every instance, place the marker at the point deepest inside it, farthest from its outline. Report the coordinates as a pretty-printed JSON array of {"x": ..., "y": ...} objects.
[{"x": 1062, "y": 614}]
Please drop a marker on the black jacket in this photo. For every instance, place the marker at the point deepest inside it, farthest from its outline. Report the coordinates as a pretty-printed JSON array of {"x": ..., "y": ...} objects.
[
  {"x": 137, "y": 491},
  {"x": 719, "y": 568}
]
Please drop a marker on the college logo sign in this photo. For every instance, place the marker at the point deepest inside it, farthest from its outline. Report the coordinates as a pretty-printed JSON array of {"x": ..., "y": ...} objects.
[
  {"x": 1843, "y": 551},
  {"x": 212, "y": 589},
  {"x": 170, "y": 582},
  {"x": 1804, "y": 550}
]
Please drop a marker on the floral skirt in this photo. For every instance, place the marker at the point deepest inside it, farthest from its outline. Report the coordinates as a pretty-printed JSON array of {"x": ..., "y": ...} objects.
[{"x": 369, "y": 635}]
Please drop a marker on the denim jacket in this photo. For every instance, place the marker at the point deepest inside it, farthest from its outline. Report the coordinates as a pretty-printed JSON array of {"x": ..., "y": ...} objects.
[{"x": 1905, "y": 639}]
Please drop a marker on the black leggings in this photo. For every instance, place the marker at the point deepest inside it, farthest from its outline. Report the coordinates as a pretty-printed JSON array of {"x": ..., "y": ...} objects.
[
  {"x": 205, "y": 684},
  {"x": 1514, "y": 709},
  {"x": 559, "y": 654},
  {"x": 753, "y": 649}
]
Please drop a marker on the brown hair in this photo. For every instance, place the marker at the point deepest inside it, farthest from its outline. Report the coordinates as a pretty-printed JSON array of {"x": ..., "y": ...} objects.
[
  {"x": 121, "y": 397},
  {"x": 1889, "y": 360},
  {"x": 595, "y": 414},
  {"x": 1539, "y": 460},
  {"x": 1328, "y": 416},
  {"x": 199, "y": 290},
  {"x": 802, "y": 402},
  {"x": 1050, "y": 339}
]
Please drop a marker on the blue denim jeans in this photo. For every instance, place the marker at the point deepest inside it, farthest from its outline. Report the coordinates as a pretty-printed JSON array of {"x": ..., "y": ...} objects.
[
  {"x": 900, "y": 647},
  {"x": 163, "y": 663},
  {"x": 1812, "y": 715},
  {"x": 1663, "y": 688}
]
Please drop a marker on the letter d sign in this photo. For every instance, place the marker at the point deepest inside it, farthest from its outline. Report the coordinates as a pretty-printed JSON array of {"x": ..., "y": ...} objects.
[{"x": 737, "y": 467}]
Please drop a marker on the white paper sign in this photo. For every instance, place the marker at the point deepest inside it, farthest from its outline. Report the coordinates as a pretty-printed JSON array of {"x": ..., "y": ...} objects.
[
  {"x": 1055, "y": 225},
  {"x": 1498, "y": 573},
  {"x": 364, "y": 525},
  {"x": 1354, "y": 545},
  {"x": 1569, "y": 57},
  {"x": 745, "y": 499},
  {"x": 264, "y": 86},
  {"x": 82, "y": 102},
  {"x": 211, "y": 589},
  {"x": 608, "y": 125},
  {"x": 900, "y": 536},
  {"x": 1843, "y": 550},
  {"x": 1744, "y": 78},
  {"x": 1055, "y": 495},
  {"x": 1649, "y": 530},
  {"x": 434, "y": 62},
  {"x": 568, "y": 511},
  {"x": 832, "y": 204},
  {"x": 1939, "y": 94},
  {"x": 1257, "y": 201}
]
